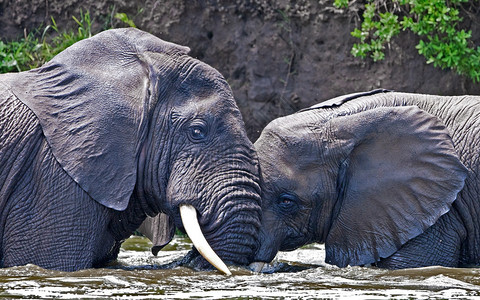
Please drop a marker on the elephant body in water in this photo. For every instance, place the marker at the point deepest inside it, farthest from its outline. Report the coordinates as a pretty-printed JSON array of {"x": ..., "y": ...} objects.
[
  {"x": 380, "y": 178},
  {"x": 116, "y": 128}
]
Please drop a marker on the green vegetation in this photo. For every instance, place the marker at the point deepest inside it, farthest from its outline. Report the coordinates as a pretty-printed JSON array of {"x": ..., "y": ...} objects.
[
  {"x": 436, "y": 22},
  {"x": 40, "y": 46},
  {"x": 125, "y": 19}
]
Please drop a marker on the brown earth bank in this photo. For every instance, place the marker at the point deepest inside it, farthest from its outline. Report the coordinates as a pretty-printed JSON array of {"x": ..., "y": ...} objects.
[{"x": 279, "y": 56}]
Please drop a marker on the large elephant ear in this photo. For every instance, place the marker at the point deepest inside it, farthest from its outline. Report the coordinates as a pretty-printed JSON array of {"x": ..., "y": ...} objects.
[
  {"x": 93, "y": 101},
  {"x": 159, "y": 229},
  {"x": 401, "y": 173}
]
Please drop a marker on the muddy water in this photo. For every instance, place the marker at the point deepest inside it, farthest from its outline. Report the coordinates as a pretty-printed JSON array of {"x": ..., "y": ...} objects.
[{"x": 136, "y": 276}]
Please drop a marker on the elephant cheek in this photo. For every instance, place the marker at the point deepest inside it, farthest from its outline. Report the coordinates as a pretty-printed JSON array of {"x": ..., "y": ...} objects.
[{"x": 178, "y": 192}]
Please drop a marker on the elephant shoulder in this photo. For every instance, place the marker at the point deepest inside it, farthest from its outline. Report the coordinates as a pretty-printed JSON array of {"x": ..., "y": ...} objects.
[
  {"x": 20, "y": 136},
  {"x": 19, "y": 127}
]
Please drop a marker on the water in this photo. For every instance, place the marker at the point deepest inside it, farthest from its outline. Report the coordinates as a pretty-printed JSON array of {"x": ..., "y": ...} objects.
[{"x": 134, "y": 276}]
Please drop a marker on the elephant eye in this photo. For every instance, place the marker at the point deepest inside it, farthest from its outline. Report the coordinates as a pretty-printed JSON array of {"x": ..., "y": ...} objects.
[
  {"x": 197, "y": 131},
  {"x": 287, "y": 202}
]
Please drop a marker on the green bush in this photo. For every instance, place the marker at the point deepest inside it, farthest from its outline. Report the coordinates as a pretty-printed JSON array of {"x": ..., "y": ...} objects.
[
  {"x": 436, "y": 22},
  {"x": 40, "y": 46}
]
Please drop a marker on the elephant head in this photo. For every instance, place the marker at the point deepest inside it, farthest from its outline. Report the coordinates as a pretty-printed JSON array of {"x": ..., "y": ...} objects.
[
  {"x": 141, "y": 126},
  {"x": 361, "y": 179}
]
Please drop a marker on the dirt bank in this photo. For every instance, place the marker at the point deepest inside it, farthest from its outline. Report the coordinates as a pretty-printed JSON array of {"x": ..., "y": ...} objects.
[{"x": 278, "y": 56}]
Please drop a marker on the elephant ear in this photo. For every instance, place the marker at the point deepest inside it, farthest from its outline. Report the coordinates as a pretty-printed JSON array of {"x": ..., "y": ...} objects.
[
  {"x": 160, "y": 230},
  {"x": 401, "y": 173},
  {"x": 93, "y": 101}
]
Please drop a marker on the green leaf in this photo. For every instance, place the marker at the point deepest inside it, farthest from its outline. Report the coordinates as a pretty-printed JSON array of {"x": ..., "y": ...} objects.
[
  {"x": 124, "y": 18},
  {"x": 358, "y": 33},
  {"x": 340, "y": 3}
]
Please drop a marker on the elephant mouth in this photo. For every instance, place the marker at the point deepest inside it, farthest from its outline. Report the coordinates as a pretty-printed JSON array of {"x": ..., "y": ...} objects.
[{"x": 188, "y": 215}]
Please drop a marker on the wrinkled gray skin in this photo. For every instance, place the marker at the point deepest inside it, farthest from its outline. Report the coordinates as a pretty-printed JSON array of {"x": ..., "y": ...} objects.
[
  {"x": 381, "y": 178},
  {"x": 115, "y": 128}
]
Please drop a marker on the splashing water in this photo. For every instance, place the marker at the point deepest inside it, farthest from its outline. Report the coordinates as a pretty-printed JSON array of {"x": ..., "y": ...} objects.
[{"x": 137, "y": 274}]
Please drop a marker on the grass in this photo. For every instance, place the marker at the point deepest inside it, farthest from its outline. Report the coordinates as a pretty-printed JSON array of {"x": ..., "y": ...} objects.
[{"x": 41, "y": 45}]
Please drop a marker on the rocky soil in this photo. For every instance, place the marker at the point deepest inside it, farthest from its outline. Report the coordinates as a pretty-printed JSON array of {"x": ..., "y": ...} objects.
[{"x": 278, "y": 56}]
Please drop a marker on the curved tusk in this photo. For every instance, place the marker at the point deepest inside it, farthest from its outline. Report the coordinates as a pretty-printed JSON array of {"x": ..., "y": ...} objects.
[{"x": 190, "y": 223}]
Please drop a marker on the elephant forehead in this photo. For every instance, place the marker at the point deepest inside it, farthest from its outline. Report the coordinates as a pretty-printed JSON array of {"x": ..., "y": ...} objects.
[
  {"x": 219, "y": 106},
  {"x": 206, "y": 91},
  {"x": 199, "y": 77},
  {"x": 298, "y": 152},
  {"x": 282, "y": 173}
]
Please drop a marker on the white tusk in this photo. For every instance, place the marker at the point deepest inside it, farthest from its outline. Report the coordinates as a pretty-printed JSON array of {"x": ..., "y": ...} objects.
[
  {"x": 256, "y": 266},
  {"x": 190, "y": 223}
]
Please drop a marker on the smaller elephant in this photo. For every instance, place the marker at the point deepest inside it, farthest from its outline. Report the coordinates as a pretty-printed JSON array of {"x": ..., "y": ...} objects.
[{"x": 383, "y": 178}]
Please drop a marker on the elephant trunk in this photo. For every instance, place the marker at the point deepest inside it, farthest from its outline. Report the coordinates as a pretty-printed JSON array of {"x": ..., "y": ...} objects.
[
  {"x": 233, "y": 223},
  {"x": 226, "y": 195}
]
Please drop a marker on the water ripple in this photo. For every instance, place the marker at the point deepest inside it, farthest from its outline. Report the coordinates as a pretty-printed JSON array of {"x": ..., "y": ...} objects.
[{"x": 138, "y": 275}]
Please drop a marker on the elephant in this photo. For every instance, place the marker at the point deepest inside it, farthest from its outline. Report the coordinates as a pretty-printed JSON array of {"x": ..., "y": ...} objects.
[
  {"x": 117, "y": 128},
  {"x": 381, "y": 178}
]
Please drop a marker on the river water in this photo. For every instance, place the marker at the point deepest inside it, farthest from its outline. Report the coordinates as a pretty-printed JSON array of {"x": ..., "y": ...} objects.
[{"x": 304, "y": 275}]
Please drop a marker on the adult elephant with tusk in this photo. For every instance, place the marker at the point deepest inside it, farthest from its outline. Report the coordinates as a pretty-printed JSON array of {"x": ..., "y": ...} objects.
[
  {"x": 116, "y": 128},
  {"x": 381, "y": 178}
]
